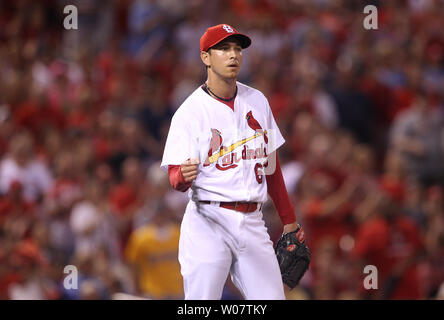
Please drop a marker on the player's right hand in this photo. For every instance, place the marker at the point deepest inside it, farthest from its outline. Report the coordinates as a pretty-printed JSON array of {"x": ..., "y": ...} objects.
[{"x": 189, "y": 170}]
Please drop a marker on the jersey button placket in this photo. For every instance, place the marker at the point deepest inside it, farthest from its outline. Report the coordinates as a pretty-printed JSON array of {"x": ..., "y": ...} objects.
[
  {"x": 246, "y": 168},
  {"x": 237, "y": 120}
]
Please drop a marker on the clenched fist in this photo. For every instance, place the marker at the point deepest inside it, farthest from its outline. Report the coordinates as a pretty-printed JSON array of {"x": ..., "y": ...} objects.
[{"x": 189, "y": 170}]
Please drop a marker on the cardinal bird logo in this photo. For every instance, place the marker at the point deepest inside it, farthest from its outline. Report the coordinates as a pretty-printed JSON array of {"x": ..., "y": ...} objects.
[
  {"x": 253, "y": 124},
  {"x": 215, "y": 143}
]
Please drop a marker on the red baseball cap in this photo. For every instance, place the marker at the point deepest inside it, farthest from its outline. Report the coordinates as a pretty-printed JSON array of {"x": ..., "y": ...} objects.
[{"x": 216, "y": 34}]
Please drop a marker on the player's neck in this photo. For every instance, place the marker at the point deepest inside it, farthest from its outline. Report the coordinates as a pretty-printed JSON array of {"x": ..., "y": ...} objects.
[{"x": 224, "y": 88}]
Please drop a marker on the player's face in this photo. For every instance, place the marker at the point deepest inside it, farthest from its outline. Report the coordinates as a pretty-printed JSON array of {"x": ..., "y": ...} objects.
[{"x": 225, "y": 58}]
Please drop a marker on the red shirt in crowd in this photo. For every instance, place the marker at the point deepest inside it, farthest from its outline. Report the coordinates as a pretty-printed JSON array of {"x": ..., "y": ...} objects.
[
  {"x": 319, "y": 227},
  {"x": 389, "y": 246}
]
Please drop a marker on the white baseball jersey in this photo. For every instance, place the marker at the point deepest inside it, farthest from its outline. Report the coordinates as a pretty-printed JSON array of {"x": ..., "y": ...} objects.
[{"x": 232, "y": 145}]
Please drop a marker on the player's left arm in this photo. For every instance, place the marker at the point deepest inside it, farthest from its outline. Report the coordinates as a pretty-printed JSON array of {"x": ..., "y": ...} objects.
[
  {"x": 292, "y": 254},
  {"x": 275, "y": 181},
  {"x": 278, "y": 193}
]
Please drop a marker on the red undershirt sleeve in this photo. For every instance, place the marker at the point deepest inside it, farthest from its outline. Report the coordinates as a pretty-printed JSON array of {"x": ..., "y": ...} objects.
[
  {"x": 278, "y": 193},
  {"x": 176, "y": 178}
]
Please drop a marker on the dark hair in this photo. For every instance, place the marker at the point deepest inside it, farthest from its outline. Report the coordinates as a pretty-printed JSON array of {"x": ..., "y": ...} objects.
[{"x": 209, "y": 52}]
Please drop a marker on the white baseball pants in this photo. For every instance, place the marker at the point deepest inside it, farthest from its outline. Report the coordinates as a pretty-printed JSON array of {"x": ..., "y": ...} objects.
[{"x": 216, "y": 241}]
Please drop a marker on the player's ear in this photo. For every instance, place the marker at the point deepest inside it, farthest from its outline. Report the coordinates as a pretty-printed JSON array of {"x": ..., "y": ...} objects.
[{"x": 205, "y": 56}]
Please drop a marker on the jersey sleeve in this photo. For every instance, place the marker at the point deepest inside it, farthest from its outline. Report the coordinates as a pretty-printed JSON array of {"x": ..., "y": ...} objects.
[
  {"x": 176, "y": 179},
  {"x": 276, "y": 139},
  {"x": 278, "y": 193},
  {"x": 181, "y": 143}
]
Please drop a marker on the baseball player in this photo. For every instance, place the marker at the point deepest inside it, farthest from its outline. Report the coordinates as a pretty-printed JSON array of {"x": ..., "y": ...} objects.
[{"x": 221, "y": 147}]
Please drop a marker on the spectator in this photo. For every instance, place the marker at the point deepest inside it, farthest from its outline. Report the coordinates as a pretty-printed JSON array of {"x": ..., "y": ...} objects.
[
  {"x": 23, "y": 166},
  {"x": 392, "y": 243},
  {"x": 125, "y": 198},
  {"x": 152, "y": 251},
  {"x": 434, "y": 239},
  {"x": 416, "y": 134},
  {"x": 147, "y": 28}
]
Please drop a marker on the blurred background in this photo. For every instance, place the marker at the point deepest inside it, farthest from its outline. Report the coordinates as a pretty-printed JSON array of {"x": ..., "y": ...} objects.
[{"x": 84, "y": 116}]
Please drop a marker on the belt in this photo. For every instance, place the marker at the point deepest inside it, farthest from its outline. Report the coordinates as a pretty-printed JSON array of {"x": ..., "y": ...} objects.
[{"x": 245, "y": 207}]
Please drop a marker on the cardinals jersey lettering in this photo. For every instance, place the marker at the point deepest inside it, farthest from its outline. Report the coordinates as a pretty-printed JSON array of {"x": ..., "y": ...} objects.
[{"x": 234, "y": 147}]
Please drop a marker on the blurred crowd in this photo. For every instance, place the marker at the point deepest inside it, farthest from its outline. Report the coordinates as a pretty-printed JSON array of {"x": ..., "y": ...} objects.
[{"x": 84, "y": 115}]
